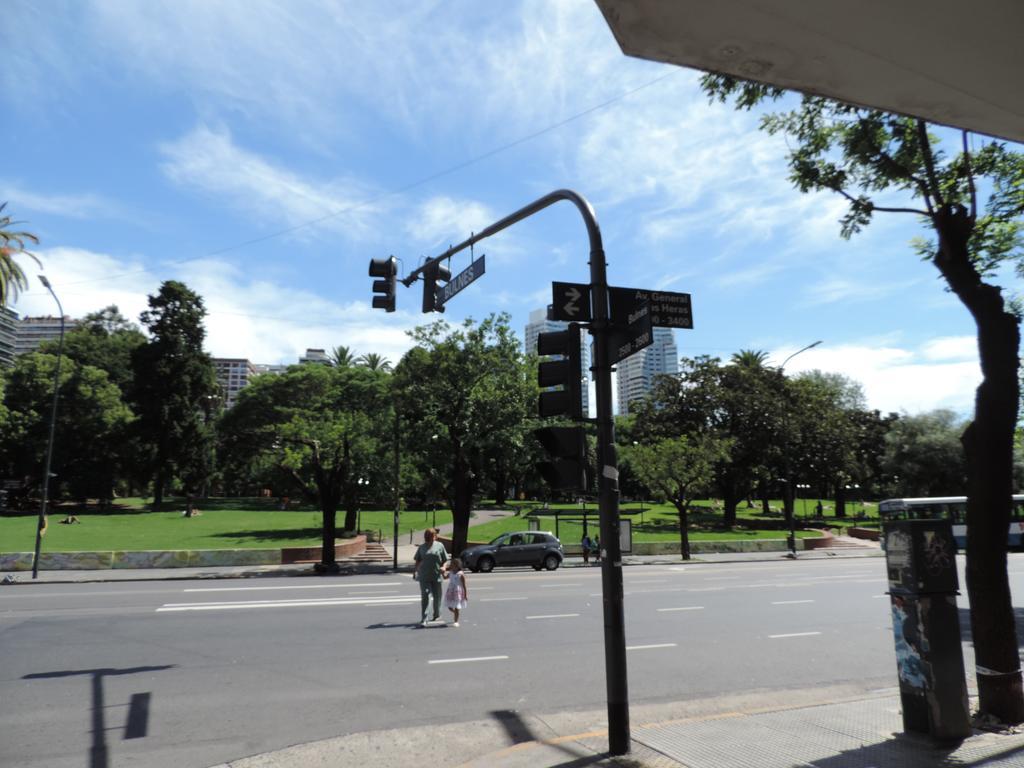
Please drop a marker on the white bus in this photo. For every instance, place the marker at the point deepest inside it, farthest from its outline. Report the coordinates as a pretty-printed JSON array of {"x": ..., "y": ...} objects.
[{"x": 953, "y": 508}]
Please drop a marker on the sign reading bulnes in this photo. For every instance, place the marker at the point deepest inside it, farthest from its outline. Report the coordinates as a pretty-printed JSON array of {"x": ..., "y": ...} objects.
[
  {"x": 460, "y": 281},
  {"x": 570, "y": 301},
  {"x": 668, "y": 310}
]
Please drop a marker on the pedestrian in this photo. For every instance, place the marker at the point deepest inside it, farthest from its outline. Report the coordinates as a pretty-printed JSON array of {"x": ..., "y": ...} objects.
[
  {"x": 586, "y": 545},
  {"x": 597, "y": 550},
  {"x": 430, "y": 559},
  {"x": 456, "y": 595}
]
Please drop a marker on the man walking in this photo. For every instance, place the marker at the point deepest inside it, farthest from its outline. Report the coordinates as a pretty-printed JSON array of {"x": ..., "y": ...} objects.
[{"x": 430, "y": 559}]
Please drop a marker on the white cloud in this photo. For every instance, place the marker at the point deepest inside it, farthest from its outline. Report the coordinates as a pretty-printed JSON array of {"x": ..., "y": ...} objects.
[
  {"x": 255, "y": 319},
  {"x": 895, "y": 378},
  {"x": 442, "y": 221},
  {"x": 73, "y": 206},
  {"x": 951, "y": 348},
  {"x": 208, "y": 160}
]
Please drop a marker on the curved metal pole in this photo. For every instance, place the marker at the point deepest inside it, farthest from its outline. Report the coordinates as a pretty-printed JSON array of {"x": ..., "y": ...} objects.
[
  {"x": 608, "y": 473},
  {"x": 788, "y": 503},
  {"x": 53, "y": 421}
]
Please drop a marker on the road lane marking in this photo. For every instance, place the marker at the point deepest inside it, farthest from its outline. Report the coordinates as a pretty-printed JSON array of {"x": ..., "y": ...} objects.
[
  {"x": 649, "y": 647},
  {"x": 721, "y": 578},
  {"x": 876, "y": 597},
  {"x": 499, "y": 599},
  {"x": 471, "y": 658},
  {"x": 565, "y": 584},
  {"x": 793, "y": 634},
  {"x": 554, "y": 616},
  {"x": 296, "y": 586},
  {"x": 790, "y": 602},
  {"x": 682, "y": 608},
  {"x": 310, "y": 603}
]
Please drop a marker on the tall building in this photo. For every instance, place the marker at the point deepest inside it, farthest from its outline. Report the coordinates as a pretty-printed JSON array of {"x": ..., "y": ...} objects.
[
  {"x": 539, "y": 324},
  {"x": 233, "y": 375},
  {"x": 8, "y": 336},
  {"x": 315, "y": 356},
  {"x": 637, "y": 372},
  {"x": 33, "y": 331}
]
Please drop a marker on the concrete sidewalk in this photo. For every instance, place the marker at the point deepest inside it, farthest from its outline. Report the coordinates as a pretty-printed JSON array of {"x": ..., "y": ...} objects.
[{"x": 860, "y": 732}]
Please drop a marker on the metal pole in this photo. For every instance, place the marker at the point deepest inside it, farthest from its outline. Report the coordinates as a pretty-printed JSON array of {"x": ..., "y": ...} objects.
[
  {"x": 49, "y": 445},
  {"x": 394, "y": 564},
  {"x": 788, "y": 499},
  {"x": 608, "y": 472}
]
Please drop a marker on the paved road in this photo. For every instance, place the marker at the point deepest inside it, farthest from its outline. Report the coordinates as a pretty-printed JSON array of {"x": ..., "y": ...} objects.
[{"x": 197, "y": 673}]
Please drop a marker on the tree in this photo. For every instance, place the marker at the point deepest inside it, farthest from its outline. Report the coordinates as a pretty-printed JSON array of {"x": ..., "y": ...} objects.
[
  {"x": 91, "y": 424},
  {"x": 320, "y": 429},
  {"x": 972, "y": 202},
  {"x": 460, "y": 391},
  {"x": 678, "y": 468},
  {"x": 12, "y": 242},
  {"x": 173, "y": 377},
  {"x": 725, "y": 401},
  {"x": 374, "y": 362},
  {"x": 924, "y": 455},
  {"x": 342, "y": 357}
]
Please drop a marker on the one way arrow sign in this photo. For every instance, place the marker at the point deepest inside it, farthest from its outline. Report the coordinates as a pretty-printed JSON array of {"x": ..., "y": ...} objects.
[{"x": 570, "y": 301}]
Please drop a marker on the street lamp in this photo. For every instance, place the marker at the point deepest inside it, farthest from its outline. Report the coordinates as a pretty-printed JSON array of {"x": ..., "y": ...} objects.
[
  {"x": 362, "y": 482},
  {"x": 804, "y": 487},
  {"x": 787, "y": 502},
  {"x": 53, "y": 421}
]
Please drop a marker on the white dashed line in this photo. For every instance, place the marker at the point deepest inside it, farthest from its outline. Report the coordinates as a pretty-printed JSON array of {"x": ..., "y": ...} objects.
[
  {"x": 551, "y": 586},
  {"x": 683, "y": 608},
  {"x": 554, "y": 616},
  {"x": 649, "y": 647},
  {"x": 472, "y": 658},
  {"x": 499, "y": 599},
  {"x": 794, "y": 634},
  {"x": 790, "y": 602}
]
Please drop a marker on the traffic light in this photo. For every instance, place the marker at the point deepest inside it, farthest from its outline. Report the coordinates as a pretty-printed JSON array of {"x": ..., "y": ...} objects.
[
  {"x": 384, "y": 290},
  {"x": 564, "y": 373},
  {"x": 431, "y": 274},
  {"x": 567, "y": 447}
]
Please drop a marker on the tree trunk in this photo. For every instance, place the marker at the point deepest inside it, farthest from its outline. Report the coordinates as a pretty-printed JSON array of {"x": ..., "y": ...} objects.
[
  {"x": 158, "y": 488},
  {"x": 462, "y": 503},
  {"x": 500, "y": 484},
  {"x": 729, "y": 501},
  {"x": 327, "y": 556},
  {"x": 840, "y": 500},
  {"x": 988, "y": 445},
  {"x": 684, "y": 530}
]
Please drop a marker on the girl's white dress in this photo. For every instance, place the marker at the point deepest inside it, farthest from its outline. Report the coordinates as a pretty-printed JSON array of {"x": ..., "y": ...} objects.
[{"x": 454, "y": 593}]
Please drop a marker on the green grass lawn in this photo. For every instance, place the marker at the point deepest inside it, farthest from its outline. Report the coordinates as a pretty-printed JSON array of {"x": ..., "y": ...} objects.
[
  {"x": 257, "y": 523},
  {"x": 224, "y": 524}
]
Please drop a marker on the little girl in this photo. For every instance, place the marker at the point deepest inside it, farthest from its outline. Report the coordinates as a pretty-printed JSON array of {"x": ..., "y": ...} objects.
[{"x": 455, "y": 594}]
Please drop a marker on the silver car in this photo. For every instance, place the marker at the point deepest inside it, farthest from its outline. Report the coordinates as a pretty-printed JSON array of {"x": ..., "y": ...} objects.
[{"x": 541, "y": 549}]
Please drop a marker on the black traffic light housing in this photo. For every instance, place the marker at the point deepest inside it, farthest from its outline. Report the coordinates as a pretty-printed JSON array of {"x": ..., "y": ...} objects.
[
  {"x": 432, "y": 273},
  {"x": 384, "y": 289},
  {"x": 567, "y": 466},
  {"x": 565, "y": 373}
]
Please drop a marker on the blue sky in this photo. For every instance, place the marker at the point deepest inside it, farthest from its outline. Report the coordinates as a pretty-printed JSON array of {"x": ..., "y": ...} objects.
[{"x": 263, "y": 152}]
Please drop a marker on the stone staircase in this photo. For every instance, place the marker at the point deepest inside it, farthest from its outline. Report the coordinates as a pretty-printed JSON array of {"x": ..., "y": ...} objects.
[
  {"x": 848, "y": 542},
  {"x": 374, "y": 553}
]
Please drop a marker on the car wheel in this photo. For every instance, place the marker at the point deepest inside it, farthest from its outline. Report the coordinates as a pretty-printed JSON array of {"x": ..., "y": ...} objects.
[
  {"x": 551, "y": 562},
  {"x": 537, "y": 567},
  {"x": 485, "y": 564}
]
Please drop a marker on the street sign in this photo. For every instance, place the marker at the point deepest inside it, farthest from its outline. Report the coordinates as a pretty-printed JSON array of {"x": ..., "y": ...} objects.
[
  {"x": 668, "y": 310},
  {"x": 460, "y": 281},
  {"x": 570, "y": 301},
  {"x": 628, "y": 339}
]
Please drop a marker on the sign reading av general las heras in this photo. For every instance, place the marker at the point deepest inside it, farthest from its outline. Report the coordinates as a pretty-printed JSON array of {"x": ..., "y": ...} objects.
[{"x": 668, "y": 309}]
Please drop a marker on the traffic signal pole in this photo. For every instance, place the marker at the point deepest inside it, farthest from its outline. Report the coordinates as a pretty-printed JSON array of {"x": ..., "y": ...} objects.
[{"x": 607, "y": 469}]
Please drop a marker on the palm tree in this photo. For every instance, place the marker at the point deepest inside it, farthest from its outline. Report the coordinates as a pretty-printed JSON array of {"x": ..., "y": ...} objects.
[
  {"x": 342, "y": 357},
  {"x": 375, "y": 362},
  {"x": 12, "y": 278},
  {"x": 750, "y": 358}
]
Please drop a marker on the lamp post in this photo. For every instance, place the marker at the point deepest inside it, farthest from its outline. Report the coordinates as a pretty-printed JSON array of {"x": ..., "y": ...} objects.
[
  {"x": 362, "y": 482},
  {"x": 787, "y": 502},
  {"x": 53, "y": 421}
]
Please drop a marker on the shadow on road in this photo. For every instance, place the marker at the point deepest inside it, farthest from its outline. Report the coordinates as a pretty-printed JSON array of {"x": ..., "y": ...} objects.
[{"x": 137, "y": 724}]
